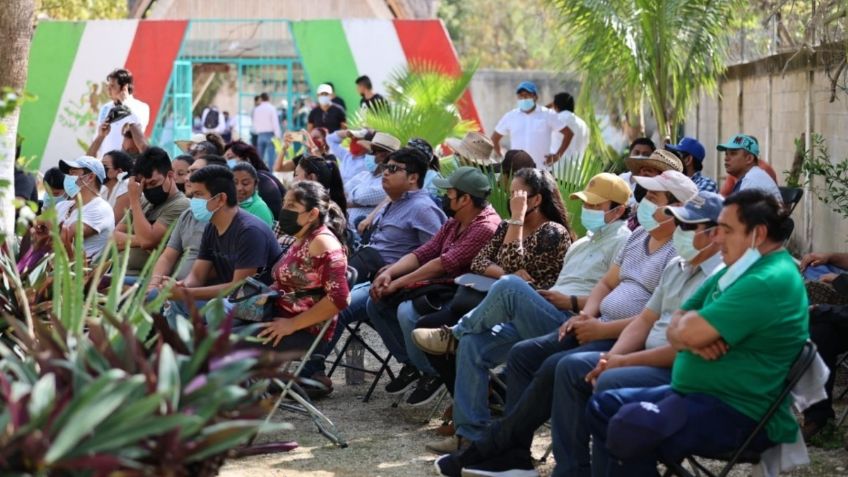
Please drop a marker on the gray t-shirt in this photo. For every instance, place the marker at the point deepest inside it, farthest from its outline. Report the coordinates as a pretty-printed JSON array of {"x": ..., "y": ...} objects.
[
  {"x": 639, "y": 276},
  {"x": 185, "y": 239}
]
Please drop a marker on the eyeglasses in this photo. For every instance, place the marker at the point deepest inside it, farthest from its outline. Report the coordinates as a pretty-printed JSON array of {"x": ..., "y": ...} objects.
[
  {"x": 392, "y": 168},
  {"x": 692, "y": 227}
]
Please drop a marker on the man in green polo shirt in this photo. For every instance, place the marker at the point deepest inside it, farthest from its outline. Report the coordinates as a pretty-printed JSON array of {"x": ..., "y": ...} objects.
[{"x": 736, "y": 337}]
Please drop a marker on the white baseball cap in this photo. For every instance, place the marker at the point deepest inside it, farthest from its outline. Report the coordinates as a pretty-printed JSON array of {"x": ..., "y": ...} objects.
[
  {"x": 325, "y": 89},
  {"x": 680, "y": 186}
]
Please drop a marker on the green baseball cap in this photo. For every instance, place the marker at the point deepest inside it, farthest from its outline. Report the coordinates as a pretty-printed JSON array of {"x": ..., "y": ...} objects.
[
  {"x": 741, "y": 141},
  {"x": 466, "y": 179}
]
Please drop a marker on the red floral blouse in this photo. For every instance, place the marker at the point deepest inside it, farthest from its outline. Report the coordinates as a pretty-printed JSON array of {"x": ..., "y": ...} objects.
[{"x": 299, "y": 271}]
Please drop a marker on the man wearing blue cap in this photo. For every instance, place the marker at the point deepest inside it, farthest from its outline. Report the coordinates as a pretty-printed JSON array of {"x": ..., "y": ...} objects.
[
  {"x": 741, "y": 160},
  {"x": 691, "y": 153},
  {"x": 83, "y": 179},
  {"x": 530, "y": 126}
]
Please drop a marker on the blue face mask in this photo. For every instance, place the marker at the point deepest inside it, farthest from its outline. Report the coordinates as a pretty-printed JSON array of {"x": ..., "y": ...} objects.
[
  {"x": 70, "y": 186},
  {"x": 593, "y": 220},
  {"x": 370, "y": 163},
  {"x": 739, "y": 267},
  {"x": 684, "y": 243},
  {"x": 526, "y": 104},
  {"x": 645, "y": 214},
  {"x": 48, "y": 201},
  {"x": 199, "y": 209},
  {"x": 232, "y": 163}
]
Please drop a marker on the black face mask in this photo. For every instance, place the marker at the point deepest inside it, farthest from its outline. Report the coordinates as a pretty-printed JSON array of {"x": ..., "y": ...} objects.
[
  {"x": 288, "y": 222},
  {"x": 181, "y": 187},
  {"x": 446, "y": 206},
  {"x": 155, "y": 195}
]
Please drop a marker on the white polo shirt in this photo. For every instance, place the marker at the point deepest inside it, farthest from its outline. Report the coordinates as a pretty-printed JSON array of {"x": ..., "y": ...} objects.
[{"x": 531, "y": 132}]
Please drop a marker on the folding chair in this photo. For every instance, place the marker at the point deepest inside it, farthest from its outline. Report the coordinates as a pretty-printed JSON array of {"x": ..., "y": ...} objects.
[
  {"x": 353, "y": 334},
  {"x": 791, "y": 196},
  {"x": 843, "y": 363},
  {"x": 742, "y": 454}
]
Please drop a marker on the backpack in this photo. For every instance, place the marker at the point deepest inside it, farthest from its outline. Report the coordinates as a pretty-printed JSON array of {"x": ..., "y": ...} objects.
[{"x": 211, "y": 121}]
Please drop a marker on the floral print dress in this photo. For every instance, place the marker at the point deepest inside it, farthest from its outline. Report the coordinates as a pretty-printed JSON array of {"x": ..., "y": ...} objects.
[{"x": 298, "y": 271}]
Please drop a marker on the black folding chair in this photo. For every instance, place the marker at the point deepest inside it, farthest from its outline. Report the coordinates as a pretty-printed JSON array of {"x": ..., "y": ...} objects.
[
  {"x": 791, "y": 196},
  {"x": 742, "y": 454}
]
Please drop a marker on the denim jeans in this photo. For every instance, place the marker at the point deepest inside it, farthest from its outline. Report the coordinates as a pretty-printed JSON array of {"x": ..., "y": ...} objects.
[
  {"x": 571, "y": 392},
  {"x": 712, "y": 427},
  {"x": 353, "y": 313},
  {"x": 395, "y": 325},
  {"x": 266, "y": 148},
  {"x": 511, "y": 299}
]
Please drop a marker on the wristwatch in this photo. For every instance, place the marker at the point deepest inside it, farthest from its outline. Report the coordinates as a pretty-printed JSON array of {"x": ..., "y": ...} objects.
[{"x": 514, "y": 222}]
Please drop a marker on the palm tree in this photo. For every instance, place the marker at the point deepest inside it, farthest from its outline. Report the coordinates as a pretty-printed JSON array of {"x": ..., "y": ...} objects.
[
  {"x": 421, "y": 103},
  {"x": 657, "y": 51}
]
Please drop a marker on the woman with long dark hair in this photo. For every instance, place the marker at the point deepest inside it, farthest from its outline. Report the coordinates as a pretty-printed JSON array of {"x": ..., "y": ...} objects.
[
  {"x": 270, "y": 189},
  {"x": 326, "y": 172}
]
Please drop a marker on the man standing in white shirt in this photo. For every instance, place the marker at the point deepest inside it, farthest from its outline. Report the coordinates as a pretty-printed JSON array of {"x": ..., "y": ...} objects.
[
  {"x": 529, "y": 127},
  {"x": 741, "y": 157},
  {"x": 120, "y": 88},
  {"x": 576, "y": 144},
  {"x": 266, "y": 125}
]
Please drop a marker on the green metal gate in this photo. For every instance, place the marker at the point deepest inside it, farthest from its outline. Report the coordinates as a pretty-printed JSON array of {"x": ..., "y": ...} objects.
[{"x": 264, "y": 58}]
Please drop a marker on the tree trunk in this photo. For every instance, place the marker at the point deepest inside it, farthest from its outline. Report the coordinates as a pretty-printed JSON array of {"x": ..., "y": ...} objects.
[{"x": 16, "y": 29}]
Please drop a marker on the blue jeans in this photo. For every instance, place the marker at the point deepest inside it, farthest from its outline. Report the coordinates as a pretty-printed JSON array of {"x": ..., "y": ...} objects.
[
  {"x": 266, "y": 148},
  {"x": 571, "y": 392},
  {"x": 712, "y": 427},
  {"x": 395, "y": 325},
  {"x": 353, "y": 313},
  {"x": 511, "y": 299}
]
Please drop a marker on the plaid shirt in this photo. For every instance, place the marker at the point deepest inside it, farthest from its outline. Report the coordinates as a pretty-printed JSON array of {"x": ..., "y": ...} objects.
[
  {"x": 457, "y": 250},
  {"x": 704, "y": 183}
]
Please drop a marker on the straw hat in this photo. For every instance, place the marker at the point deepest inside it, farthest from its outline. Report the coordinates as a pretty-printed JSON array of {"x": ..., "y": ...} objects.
[
  {"x": 185, "y": 144},
  {"x": 660, "y": 160},
  {"x": 475, "y": 147}
]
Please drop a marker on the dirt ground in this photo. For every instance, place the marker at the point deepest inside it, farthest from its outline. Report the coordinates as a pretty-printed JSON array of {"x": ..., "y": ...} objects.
[{"x": 389, "y": 442}]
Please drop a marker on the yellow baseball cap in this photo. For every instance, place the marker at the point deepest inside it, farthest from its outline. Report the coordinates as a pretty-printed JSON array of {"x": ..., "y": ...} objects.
[{"x": 604, "y": 187}]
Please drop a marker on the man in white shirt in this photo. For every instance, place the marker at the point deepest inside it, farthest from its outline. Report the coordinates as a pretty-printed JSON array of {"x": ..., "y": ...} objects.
[
  {"x": 266, "y": 125},
  {"x": 83, "y": 179},
  {"x": 120, "y": 88},
  {"x": 576, "y": 145},
  {"x": 741, "y": 157},
  {"x": 529, "y": 127}
]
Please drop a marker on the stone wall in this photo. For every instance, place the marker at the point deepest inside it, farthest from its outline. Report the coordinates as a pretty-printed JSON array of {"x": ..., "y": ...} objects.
[{"x": 761, "y": 99}]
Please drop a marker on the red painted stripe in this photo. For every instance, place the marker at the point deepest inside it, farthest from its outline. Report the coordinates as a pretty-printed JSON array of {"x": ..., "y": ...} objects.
[
  {"x": 151, "y": 59},
  {"x": 427, "y": 40}
]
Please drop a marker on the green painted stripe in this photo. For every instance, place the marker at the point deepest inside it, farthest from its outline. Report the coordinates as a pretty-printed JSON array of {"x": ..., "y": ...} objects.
[
  {"x": 54, "y": 48},
  {"x": 326, "y": 57}
]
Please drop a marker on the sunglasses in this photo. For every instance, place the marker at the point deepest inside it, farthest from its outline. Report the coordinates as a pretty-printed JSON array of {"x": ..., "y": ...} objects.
[
  {"x": 692, "y": 227},
  {"x": 392, "y": 168}
]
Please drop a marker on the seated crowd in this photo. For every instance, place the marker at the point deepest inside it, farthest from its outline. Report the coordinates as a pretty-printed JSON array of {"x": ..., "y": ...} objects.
[{"x": 676, "y": 296}]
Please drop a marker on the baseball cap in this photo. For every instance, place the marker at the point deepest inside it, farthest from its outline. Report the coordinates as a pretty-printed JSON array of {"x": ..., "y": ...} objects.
[
  {"x": 84, "y": 162},
  {"x": 638, "y": 427},
  {"x": 704, "y": 207},
  {"x": 602, "y": 188},
  {"x": 680, "y": 186},
  {"x": 466, "y": 179},
  {"x": 325, "y": 88},
  {"x": 528, "y": 86},
  {"x": 741, "y": 141},
  {"x": 691, "y": 146}
]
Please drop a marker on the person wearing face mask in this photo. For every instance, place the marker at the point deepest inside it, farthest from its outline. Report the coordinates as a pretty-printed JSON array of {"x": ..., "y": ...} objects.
[
  {"x": 327, "y": 114},
  {"x": 247, "y": 194},
  {"x": 180, "y": 164},
  {"x": 155, "y": 203},
  {"x": 235, "y": 244},
  {"x": 365, "y": 190},
  {"x": 357, "y": 157},
  {"x": 530, "y": 126},
  {"x": 472, "y": 223},
  {"x": 83, "y": 179},
  {"x": 736, "y": 338},
  {"x": 54, "y": 191},
  {"x": 270, "y": 189},
  {"x": 118, "y": 165}
]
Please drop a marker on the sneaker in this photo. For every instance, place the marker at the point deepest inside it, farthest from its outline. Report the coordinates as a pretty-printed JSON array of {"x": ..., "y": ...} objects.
[
  {"x": 513, "y": 463},
  {"x": 448, "y": 465},
  {"x": 425, "y": 391},
  {"x": 435, "y": 341},
  {"x": 404, "y": 380},
  {"x": 448, "y": 445}
]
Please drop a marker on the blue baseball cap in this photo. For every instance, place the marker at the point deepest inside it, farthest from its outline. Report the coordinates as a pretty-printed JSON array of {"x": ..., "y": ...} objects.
[
  {"x": 528, "y": 86},
  {"x": 691, "y": 146},
  {"x": 741, "y": 141},
  {"x": 702, "y": 208},
  {"x": 639, "y": 427},
  {"x": 84, "y": 162}
]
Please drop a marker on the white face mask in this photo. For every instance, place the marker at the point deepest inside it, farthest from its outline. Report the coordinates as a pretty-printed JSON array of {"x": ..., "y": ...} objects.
[{"x": 739, "y": 267}]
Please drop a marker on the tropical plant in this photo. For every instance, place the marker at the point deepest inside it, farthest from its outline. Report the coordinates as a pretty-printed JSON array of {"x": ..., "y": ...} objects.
[
  {"x": 98, "y": 381},
  {"x": 659, "y": 51},
  {"x": 421, "y": 103},
  {"x": 817, "y": 163}
]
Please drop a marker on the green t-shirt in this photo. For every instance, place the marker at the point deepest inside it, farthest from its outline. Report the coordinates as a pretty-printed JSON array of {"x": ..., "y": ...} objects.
[
  {"x": 763, "y": 318},
  {"x": 257, "y": 207}
]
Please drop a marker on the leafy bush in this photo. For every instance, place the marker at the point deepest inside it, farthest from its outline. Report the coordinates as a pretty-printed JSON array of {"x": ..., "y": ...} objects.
[{"x": 835, "y": 176}]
